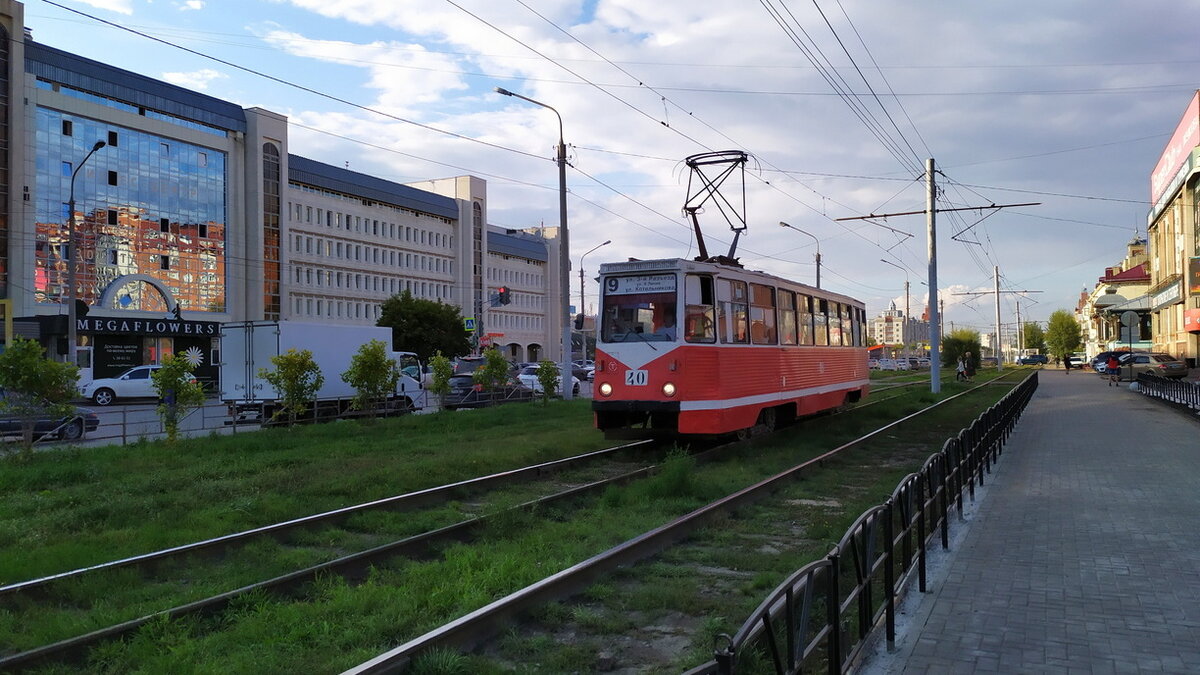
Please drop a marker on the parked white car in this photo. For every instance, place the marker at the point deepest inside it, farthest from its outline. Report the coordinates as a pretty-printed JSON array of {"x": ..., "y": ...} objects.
[
  {"x": 887, "y": 364},
  {"x": 133, "y": 383},
  {"x": 528, "y": 377}
]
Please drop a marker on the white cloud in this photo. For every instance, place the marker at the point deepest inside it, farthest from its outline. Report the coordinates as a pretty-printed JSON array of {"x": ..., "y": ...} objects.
[
  {"x": 118, "y": 6},
  {"x": 197, "y": 79},
  {"x": 190, "y": 5}
]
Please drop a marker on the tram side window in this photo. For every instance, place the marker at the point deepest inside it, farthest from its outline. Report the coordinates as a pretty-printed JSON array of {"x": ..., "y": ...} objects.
[
  {"x": 699, "y": 322},
  {"x": 737, "y": 329},
  {"x": 806, "y": 319},
  {"x": 835, "y": 324},
  {"x": 762, "y": 314},
  {"x": 787, "y": 317},
  {"x": 847, "y": 327},
  {"x": 820, "y": 322}
]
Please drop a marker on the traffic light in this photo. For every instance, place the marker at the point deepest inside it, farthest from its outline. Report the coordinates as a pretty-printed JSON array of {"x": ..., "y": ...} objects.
[{"x": 502, "y": 296}]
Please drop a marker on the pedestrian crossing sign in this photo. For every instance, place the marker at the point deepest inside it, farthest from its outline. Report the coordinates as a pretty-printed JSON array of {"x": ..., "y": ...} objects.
[{"x": 469, "y": 324}]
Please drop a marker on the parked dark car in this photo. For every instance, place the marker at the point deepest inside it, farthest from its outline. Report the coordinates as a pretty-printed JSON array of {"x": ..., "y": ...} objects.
[
  {"x": 1100, "y": 361},
  {"x": 69, "y": 428},
  {"x": 1033, "y": 360},
  {"x": 464, "y": 393},
  {"x": 1163, "y": 365}
]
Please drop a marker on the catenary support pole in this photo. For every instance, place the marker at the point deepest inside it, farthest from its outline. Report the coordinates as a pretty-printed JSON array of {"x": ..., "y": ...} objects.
[{"x": 935, "y": 337}]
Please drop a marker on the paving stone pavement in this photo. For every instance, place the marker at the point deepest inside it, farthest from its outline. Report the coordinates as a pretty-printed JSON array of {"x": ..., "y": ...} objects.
[{"x": 1084, "y": 555}]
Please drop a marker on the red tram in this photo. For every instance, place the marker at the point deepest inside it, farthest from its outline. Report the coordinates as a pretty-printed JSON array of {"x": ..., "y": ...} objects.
[{"x": 701, "y": 348}]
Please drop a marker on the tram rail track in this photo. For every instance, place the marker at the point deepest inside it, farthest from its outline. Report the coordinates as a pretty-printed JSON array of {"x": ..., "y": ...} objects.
[
  {"x": 353, "y": 567},
  {"x": 471, "y": 630}
]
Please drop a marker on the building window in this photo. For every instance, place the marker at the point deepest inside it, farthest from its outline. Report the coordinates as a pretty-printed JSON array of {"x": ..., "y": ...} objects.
[
  {"x": 164, "y": 149},
  {"x": 112, "y": 139},
  {"x": 164, "y": 225},
  {"x": 67, "y": 168},
  {"x": 271, "y": 234},
  {"x": 68, "y": 128},
  {"x": 202, "y": 158},
  {"x": 164, "y": 262},
  {"x": 112, "y": 177},
  {"x": 112, "y": 217}
]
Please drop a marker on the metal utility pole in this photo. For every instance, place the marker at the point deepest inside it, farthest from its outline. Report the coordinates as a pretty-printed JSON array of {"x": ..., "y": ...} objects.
[
  {"x": 999, "y": 351},
  {"x": 935, "y": 335},
  {"x": 997, "y": 291},
  {"x": 1020, "y": 332},
  {"x": 931, "y": 211},
  {"x": 564, "y": 248}
]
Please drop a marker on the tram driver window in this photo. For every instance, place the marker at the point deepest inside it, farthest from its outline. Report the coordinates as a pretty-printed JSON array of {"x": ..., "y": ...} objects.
[
  {"x": 639, "y": 309},
  {"x": 699, "y": 324}
]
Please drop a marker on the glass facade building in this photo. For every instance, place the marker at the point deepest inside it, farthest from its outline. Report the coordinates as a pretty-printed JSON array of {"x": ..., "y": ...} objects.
[{"x": 145, "y": 206}]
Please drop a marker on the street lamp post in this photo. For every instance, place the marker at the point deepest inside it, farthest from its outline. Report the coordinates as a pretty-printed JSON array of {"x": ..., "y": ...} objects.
[
  {"x": 783, "y": 224},
  {"x": 581, "y": 310},
  {"x": 907, "y": 316},
  {"x": 581, "y": 272},
  {"x": 71, "y": 336},
  {"x": 564, "y": 260}
]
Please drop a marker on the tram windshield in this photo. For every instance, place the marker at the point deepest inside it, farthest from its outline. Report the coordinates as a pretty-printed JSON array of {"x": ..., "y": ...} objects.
[{"x": 639, "y": 309}]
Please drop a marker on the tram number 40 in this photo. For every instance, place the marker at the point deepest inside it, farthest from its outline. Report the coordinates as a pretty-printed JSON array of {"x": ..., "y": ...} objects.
[{"x": 637, "y": 378}]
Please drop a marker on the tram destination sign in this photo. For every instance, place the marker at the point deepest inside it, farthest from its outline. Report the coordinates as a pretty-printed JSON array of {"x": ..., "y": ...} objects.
[
  {"x": 648, "y": 283},
  {"x": 99, "y": 325}
]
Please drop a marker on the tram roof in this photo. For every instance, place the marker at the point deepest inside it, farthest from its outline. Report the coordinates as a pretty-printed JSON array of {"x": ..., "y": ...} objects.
[{"x": 681, "y": 265}]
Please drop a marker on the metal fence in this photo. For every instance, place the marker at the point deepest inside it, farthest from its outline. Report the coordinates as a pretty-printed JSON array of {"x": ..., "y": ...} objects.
[
  {"x": 123, "y": 424},
  {"x": 1180, "y": 392},
  {"x": 820, "y": 617}
]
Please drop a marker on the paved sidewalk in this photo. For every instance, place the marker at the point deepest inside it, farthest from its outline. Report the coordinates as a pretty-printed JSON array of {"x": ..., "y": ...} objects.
[{"x": 1084, "y": 554}]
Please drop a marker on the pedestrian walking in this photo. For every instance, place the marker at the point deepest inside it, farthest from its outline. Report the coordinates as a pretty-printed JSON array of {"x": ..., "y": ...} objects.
[
  {"x": 960, "y": 371},
  {"x": 968, "y": 366},
  {"x": 1113, "y": 368},
  {"x": 1067, "y": 363}
]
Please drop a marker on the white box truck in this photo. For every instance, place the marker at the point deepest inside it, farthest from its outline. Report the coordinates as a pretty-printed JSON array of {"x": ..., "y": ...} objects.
[{"x": 247, "y": 348}]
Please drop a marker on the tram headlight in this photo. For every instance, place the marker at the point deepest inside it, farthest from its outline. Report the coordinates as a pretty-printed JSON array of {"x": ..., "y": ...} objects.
[
  {"x": 668, "y": 389},
  {"x": 606, "y": 389}
]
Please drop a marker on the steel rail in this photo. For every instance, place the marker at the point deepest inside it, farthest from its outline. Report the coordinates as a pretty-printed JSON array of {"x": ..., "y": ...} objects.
[
  {"x": 353, "y": 567},
  {"x": 407, "y": 500},
  {"x": 470, "y": 630}
]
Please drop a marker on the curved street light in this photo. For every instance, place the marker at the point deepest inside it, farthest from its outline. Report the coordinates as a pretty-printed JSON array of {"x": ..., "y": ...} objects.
[
  {"x": 783, "y": 224},
  {"x": 564, "y": 260},
  {"x": 72, "y": 338},
  {"x": 581, "y": 271}
]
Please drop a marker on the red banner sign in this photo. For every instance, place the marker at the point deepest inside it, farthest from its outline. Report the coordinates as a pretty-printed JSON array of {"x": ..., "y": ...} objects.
[{"x": 1191, "y": 320}]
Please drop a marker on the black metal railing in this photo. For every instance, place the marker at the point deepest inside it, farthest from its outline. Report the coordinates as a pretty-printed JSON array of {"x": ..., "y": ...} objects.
[
  {"x": 1176, "y": 391},
  {"x": 820, "y": 617}
]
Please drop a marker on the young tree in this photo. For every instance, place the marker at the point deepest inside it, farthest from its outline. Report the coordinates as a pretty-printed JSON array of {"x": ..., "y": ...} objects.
[
  {"x": 1062, "y": 334},
  {"x": 494, "y": 372},
  {"x": 442, "y": 370},
  {"x": 547, "y": 376},
  {"x": 374, "y": 376},
  {"x": 177, "y": 392},
  {"x": 297, "y": 378},
  {"x": 423, "y": 326},
  {"x": 34, "y": 387}
]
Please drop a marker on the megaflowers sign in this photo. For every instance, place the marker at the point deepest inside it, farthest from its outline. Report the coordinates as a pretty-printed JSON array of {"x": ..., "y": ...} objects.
[{"x": 148, "y": 327}]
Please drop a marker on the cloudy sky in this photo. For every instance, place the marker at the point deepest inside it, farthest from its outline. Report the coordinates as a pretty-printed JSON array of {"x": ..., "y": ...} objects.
[{"x": 1066, "y": 103}]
